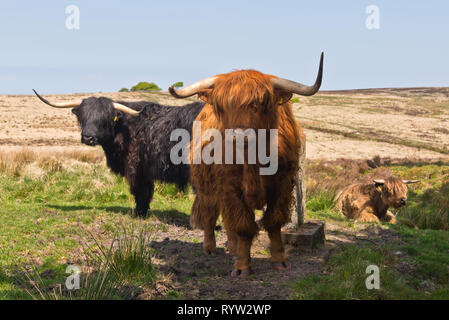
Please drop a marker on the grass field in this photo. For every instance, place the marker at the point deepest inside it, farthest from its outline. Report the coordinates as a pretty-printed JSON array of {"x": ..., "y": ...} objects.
[
  {"x": 68, "y": 209},
  {"x": 60, "y": 206},
  {"x": 53, "y": 215}
]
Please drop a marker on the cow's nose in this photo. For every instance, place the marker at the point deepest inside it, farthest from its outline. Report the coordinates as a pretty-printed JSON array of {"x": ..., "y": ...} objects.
[
  {"x": 403, "y": 201},
  {"x": 87, "y": 139}
]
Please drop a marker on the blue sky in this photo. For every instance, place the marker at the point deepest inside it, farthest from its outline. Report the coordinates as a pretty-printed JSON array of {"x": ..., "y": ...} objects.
[{"x": 120, "y": 43}]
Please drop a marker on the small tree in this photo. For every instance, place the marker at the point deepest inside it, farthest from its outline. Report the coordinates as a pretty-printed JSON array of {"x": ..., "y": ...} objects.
[
  {"x": 178, "y": 84},
  {"x": 146, "y": 86},
  {"x": 123, "y": 90}
]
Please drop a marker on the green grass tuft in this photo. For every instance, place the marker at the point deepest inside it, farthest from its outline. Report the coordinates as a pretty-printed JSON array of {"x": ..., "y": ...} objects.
[{"x": 111, "y": 272}]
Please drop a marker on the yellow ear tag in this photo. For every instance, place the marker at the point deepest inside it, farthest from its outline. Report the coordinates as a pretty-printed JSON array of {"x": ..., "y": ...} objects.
[
  {"x": 115, "y": 119},
  {"x": 379, "y": 189},
  {"x": 281, "y": 101}
]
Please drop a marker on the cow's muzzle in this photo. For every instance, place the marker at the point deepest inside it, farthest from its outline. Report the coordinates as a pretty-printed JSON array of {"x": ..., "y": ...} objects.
[{"x": 90, "y": 141}]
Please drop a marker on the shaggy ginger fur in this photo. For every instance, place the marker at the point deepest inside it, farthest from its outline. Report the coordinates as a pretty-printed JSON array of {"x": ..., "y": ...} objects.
[
  {"x": 370, "y": 202},
  {"x": 246, "y": 99}
]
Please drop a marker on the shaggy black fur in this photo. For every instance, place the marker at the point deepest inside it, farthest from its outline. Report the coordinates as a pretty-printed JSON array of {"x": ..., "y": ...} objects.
[{"x": 138, "y": 148}]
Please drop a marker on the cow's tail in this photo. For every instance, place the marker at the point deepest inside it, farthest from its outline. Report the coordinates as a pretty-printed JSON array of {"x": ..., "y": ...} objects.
[
  {"x": 204, "y": 212},
  {"x": 195, "y": 214}
]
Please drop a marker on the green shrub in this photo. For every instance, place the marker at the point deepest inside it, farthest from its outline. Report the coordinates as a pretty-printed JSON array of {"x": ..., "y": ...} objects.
[
  {"x": 321, "y": 201},
  {"x": 178, "y": 84},
  {"x": 145, "y": 86},
  {"x": 123, "y": 90}
]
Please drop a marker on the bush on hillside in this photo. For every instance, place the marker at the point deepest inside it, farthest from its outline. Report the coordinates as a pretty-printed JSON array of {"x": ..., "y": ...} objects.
[{"x": 145, "y": 86}]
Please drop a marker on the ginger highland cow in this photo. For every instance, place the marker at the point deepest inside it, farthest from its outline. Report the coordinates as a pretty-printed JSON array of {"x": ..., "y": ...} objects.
[
  {"x": 247, "y": 99},
  {"x": 370, "y": 202}
]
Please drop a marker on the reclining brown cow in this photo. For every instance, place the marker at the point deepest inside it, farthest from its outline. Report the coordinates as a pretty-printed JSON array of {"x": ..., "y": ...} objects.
[{"x": 370, "y": 202}]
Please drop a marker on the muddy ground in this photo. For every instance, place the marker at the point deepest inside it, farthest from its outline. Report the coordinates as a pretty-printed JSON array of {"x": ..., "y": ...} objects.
[{"x": 201, "y": 276}]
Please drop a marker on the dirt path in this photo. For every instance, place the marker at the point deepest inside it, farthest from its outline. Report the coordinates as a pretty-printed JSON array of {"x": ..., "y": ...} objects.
[{"x": 201, "y": 276}]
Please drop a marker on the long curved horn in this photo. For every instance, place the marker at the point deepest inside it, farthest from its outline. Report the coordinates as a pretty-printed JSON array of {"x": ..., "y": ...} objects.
[
  {"x": 298, "y": 88},
  {"x": 192, "y": 89},
  {"x": 379, "y": 181},
  {"x": 72, "y": 104},
  {"x": 125, "y": 109},
  {"x": 410, "y": 181}
]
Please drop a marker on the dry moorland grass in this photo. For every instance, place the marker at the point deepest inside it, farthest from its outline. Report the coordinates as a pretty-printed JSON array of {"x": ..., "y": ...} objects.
[
  {"x": 26, "y": 161},
  {"x": 352, "y": 124},
  {"x": 391, "y": 122}
]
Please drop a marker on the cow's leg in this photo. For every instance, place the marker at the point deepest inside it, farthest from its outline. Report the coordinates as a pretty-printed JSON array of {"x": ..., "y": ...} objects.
[
  {"x": 278, "y": 257},
  {"x": 210, "y": 221},
  {"x": 389, "y": 217},
  {"x": 279, "y": 202},
  {"x": 240, "y": 223},
  {"x": 233, "y": 238},
  {"x": 368, "y": 215},
  {"x": 204, "y": 215},
  {"x": 232, "y": 243},
  {"x": 242, "y": 265},
  {"x": 272, "y": 221},
  {"x": 143, "y": 193}
]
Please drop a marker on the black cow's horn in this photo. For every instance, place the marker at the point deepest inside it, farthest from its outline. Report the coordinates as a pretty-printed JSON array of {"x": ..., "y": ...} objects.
[
  {"x": 298, "y": 88},
  {"x": 72, "y": 104},
  {"x": 192, "y": 89},
  {"x": 410, "y": 181}
]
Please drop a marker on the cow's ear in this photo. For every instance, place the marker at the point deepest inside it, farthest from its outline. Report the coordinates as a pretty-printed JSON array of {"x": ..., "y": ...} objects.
[
  {"x": 282, "y": 96},
  {"x": 205, "y": 95},
  {"x": 379, "y": 183},
  {"x": 75, "y": 111},
  {"x": 117, "y": 115}
]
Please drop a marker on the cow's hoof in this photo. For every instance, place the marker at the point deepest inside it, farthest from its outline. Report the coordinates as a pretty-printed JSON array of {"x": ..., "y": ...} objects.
[
  {"x": 210, "y": 252},
  {"x": 281, "y": 266},
  {"x": 241, "y": 273},
  {"x": 142, "y": 213}
]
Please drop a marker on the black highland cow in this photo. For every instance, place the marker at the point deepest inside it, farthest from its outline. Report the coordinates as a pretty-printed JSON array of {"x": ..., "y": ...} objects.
[{"x": 137, "y": 146}]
